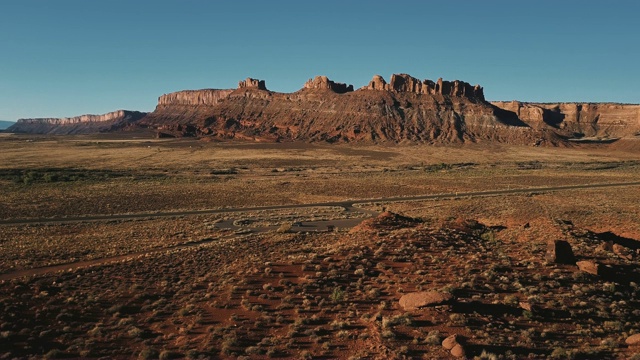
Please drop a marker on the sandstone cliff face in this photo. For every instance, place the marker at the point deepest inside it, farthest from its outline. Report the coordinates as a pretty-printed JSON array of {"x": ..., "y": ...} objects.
[
  {"x": 579, "y": 119},
  {"x": 405, "y": 109},
  {"x": 407, "y": 83},
  {"x": 83, "y": 124},
  {"x": 208, "y": 97}
]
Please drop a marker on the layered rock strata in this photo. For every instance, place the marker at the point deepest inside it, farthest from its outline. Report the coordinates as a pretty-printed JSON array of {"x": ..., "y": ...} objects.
[
  {"x": 579, "y": 120},
  {"x": 405, "y": 109},
  {"x": 208, "y": 97}
]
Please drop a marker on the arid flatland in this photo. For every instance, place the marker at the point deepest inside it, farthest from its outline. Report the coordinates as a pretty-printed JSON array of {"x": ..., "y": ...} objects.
[{"x": 256, "y": 284}]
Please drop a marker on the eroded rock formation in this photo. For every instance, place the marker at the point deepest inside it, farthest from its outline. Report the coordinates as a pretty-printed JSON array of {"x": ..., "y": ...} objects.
[
  {"x": 377, "y": 83},
  {"x": 323, "y": 83},
  {"x": 250, "y": 83},
  {"x": 406, "y": 109},
  {"x": 407, "y": 83}
]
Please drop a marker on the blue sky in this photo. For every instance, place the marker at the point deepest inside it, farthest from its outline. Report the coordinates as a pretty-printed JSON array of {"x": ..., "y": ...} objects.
[{"x": 71, "y": 57}]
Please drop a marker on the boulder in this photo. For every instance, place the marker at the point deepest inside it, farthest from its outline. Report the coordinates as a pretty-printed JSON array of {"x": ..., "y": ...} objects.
[
  {"x": 417, "y": 300},
  {"x": 526, "y": 306},
  {"x": 633, "y": 340},
  {"x": 560, "y": 252},
  {"x": 458, "y": 351},
  {"x": 450, "y": 342},
  {"x": 590, "y": 267}
]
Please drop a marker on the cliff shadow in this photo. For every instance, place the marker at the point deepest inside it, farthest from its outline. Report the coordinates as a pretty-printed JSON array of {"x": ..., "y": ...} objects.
[
  {"x": 552, "y": 118},
  {"x": 508, "y": 117},
  {"x": 620, "y": 240}
]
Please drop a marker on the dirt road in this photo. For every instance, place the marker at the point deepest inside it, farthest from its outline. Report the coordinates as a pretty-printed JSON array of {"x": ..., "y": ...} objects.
[{"x": 347, "y": 204}]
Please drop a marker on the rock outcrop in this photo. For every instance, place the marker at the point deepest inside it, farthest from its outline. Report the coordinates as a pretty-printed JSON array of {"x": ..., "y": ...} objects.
[
  {"x": 417, "y": 300},
  {"x": 579, "y": 120},
  {"x": 83, "y": 124},
  {"x": 406, "y": 109},
  {"x": 407, "y": 83},
  {"x": 377, "y": 83},
  {"x": 560, "y": 252},
  {"x": 323, "y": 83},
  {"x": 250, "y": 83}
]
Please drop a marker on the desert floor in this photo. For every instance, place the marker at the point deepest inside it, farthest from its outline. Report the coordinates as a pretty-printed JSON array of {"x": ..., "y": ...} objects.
[{"x": 144, "y": 248}]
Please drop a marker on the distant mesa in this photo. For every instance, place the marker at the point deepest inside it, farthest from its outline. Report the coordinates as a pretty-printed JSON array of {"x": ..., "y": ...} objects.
[
  {"x": 250, "y": 83},
  {"x": 404, "y": 109},
  {"x": 83, "y": 124},
  {"x": 5, "y": 124},
  {"x": 323, "y": 83}
]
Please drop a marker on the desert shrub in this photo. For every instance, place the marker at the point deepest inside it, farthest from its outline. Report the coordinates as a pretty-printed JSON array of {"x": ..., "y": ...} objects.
[
  {"x": 457, "y": 319},
  {"x": 337, "y": 295},
  {"x": 284, "y": 228},
  {"x": 148, "y": 353},
  {"x": 192, "y": 354},
  {"x": 433, "y": 337},
  {"x": 487, "y": 355},
  {"x": 167, "y": 355},
  {"x": 609, "y": 343},
  {"x": 527, "y": 314},
  {"x": 561, "y": 353},
  {"x": 54, "y": 354},
  {"x": 511, "y": 300},
  {"x": 488, "y": 236},
  {"x": 403, "y": 319},
  {"x": 253, "y": 350},
  {"x": 388, "y": 334},
  {"x": 339, "y": 324}
]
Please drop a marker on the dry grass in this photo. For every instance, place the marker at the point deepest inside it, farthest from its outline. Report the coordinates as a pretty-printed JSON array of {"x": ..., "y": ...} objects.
[{"x": 86, "y": 177}]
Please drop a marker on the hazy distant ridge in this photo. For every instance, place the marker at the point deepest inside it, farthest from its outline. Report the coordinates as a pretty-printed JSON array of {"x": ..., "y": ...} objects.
[{"x": 5, "y": 124}]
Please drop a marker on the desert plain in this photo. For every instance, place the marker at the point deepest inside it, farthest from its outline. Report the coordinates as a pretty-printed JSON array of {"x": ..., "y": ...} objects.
[{"x": 135, "y": 247}]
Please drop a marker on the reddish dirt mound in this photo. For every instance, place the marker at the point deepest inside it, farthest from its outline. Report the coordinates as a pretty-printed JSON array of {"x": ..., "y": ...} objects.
[{"x": 386, "y": 221}]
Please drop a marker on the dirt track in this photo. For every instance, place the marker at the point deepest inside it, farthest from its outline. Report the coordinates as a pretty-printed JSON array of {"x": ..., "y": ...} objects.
[
  {"x": 308, "y": 226},
  {"x": 347, "y": 204}
]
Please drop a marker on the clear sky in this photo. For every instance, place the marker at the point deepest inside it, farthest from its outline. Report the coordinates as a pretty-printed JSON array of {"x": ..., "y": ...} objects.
[{"x": 71, "y": 57}]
